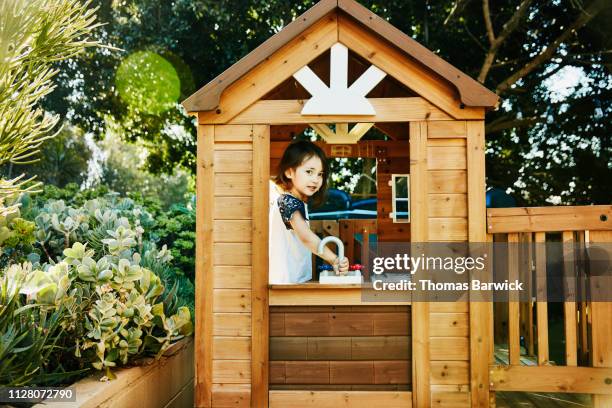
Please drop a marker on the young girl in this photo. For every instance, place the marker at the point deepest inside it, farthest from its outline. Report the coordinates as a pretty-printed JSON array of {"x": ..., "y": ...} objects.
[{"x": 302, "y": 177}]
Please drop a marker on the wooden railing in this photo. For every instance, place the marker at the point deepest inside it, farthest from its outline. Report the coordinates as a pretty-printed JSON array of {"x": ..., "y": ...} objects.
[{"x": 587, "y": 363}]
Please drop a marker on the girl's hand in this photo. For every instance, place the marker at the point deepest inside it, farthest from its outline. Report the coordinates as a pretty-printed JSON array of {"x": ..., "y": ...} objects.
[{"x": 341, "y": 266}]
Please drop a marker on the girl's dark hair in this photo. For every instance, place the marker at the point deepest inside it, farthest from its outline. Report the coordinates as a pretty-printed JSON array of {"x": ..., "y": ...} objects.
[{"x": 296, "y": 153}]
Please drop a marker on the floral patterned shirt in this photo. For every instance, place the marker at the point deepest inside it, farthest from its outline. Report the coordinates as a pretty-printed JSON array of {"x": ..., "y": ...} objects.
[{"x": 288, "y": 204}]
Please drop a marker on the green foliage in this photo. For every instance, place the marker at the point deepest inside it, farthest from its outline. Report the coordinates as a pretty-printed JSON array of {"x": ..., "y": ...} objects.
[
  {"x": 123, "y": 168},
  {"x": 30, "y": 333},
  {"x": 34, "y": 35},
  {"x": 100, "y": 279},
  {"x": 176, "y": 229},
  {"x": 63, "y": 160},
  {"x": 148, "y": 83},
  {"x": 206, "y": 37},
  {"x": 16, "y": 237}
]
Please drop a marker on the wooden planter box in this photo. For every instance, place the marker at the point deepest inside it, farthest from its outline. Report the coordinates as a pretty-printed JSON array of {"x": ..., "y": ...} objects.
[{"x": 167, "y": 383}]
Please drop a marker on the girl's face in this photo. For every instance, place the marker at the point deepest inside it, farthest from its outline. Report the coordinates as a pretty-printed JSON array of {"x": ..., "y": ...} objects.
[{"x": 307, "y": 178}]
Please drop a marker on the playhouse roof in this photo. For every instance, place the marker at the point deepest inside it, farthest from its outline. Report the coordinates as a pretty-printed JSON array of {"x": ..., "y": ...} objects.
[{"x": 471, "y": 92}]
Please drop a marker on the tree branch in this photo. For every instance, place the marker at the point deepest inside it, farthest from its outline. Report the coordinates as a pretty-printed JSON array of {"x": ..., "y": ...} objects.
[
  {"x": 488, "y": 24},
  {"x": 457, "y": 8},
  {"x": 585, "y": 16},
  {"x": 507, "y": 29},
  {"x": 473, "y": 37},
  {"x": 510, "y": 124}
]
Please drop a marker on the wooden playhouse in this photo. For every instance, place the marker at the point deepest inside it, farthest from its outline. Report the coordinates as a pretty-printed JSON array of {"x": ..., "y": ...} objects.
[{"x": 313, "y": 345}]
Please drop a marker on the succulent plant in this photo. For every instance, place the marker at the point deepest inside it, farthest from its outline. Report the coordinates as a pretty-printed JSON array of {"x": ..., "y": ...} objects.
[{"x": 101, "y": 275}]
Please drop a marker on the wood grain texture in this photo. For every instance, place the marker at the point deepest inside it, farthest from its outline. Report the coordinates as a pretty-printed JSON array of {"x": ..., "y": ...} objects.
[
  {"x": 447, "y": 129},
  {"x": 233, "y": 208},
  {"x": 232, "y": 324},
  {"x": 231, "y": 395},
  {"x": 601, "y": 328},
  {"x": 259, "y": 291},
  {"x": 587, "y": 380},
  {"x": 407, "y": 71},
  {"x": 284, "y": 63},
  {"x": 204, "y": 266},
  {"x": 231, "y": 348},
  {"x": 447, "y": 181},
  {"x": 421, "y": 396},
  {"x": 282, "y": 112},
  {"x": 447, "y": 205},
  {"x": 232, "y": 371},
  {"x": 549, "y": 219},
  {"x": 233, "y": 185},
  {"x": 446, "y": 158},
  {"x": 340, "y": 399},
  {"x": 570, "y": 324},
  {"x": 450, "y": 373},
  {"x": 481, "y": 313},
  {"x": 232, "y": 277},
  {"x": 514, "y": 348},
  {"x": 541, "y": 304},
  {"x": 449, "y": 324}
]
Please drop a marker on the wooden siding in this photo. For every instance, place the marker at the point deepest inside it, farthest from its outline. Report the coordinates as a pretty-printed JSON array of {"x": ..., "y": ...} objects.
[
  {"x": 447, "y": 211},
  {"x": 340, "y": 345},
  {"x": 232, "y": 268}
]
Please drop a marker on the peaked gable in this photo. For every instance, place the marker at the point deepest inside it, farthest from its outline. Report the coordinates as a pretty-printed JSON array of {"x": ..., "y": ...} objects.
[{"x": 356, "y": 21}]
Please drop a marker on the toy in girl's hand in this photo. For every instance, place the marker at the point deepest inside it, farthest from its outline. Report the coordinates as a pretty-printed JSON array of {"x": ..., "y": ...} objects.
[{"x": 355, "y": 267}]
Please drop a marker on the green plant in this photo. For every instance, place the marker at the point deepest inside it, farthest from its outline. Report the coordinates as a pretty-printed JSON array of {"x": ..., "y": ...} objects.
[
  {"x": 176, "y": 229},
  {"x": 34, "y": 35},
  {"x": 107, "y": 307},
  {"x": 63, "y": 159},
  {"x": 31, "y": 332},
  {"x": 16, "y": 238}
]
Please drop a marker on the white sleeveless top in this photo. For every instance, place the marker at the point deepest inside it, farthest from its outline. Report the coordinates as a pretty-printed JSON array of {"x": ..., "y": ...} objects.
[{"x": 289, "y": 260}]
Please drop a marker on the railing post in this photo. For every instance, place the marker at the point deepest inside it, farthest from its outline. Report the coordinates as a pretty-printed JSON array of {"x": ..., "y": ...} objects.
[{"x": 601, "y": 329}]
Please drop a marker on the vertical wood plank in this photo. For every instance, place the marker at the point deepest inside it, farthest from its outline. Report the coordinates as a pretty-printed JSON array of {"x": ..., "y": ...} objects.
[
  {"x": 481, "y": 313},
  {"x": 601, "y": 329},
  {"x": 582, "y": 323},
  {"x": 541, "y": 298},
  {"x": 421, "y": 396},
  {"x": 569, "y": 306},
  {"x": 514, "y": 334},
  {"x": 204, "y": 266},
  {"x": 529, "y": 286},
  {"x": 491, "y": 322},
  {"x": 259, "y": 293}
]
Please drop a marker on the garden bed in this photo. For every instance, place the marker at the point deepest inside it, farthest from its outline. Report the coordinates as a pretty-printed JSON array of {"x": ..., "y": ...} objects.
[{"x": 166, "y": 383}]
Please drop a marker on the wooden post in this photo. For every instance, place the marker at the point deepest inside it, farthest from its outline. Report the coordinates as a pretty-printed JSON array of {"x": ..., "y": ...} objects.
[
  {"x": 259, "y": 277},
  {"x": 530, "y": 335},
  {"x": 569, "y": 306},
  {"x": 421, "y": 394},
  {"x": 541, "y": 297},
  {"x": 481, "y": 314},
  {"x": 601, "y": 329},
  {"x": 582, "y": 324},
  {"x": 514, "y": 334},
  {"x": 204, "y": 266}
]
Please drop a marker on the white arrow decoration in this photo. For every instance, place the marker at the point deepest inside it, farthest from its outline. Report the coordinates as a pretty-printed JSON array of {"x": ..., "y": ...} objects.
[{"x": 339, "y": 99}]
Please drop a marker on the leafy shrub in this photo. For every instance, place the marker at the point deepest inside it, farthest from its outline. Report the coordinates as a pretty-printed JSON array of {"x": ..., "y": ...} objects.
[
  {"x": 110, "y": 306},
  {"x": 101, "y": 290},
  {"x": 16, "y": 237},
  {"x": 30, "y": 334},
  {"x": 176, "y": 229}
]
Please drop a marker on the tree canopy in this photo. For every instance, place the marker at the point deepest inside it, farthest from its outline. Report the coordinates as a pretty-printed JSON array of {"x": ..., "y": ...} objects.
[{"x": 549, "y": 141}]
